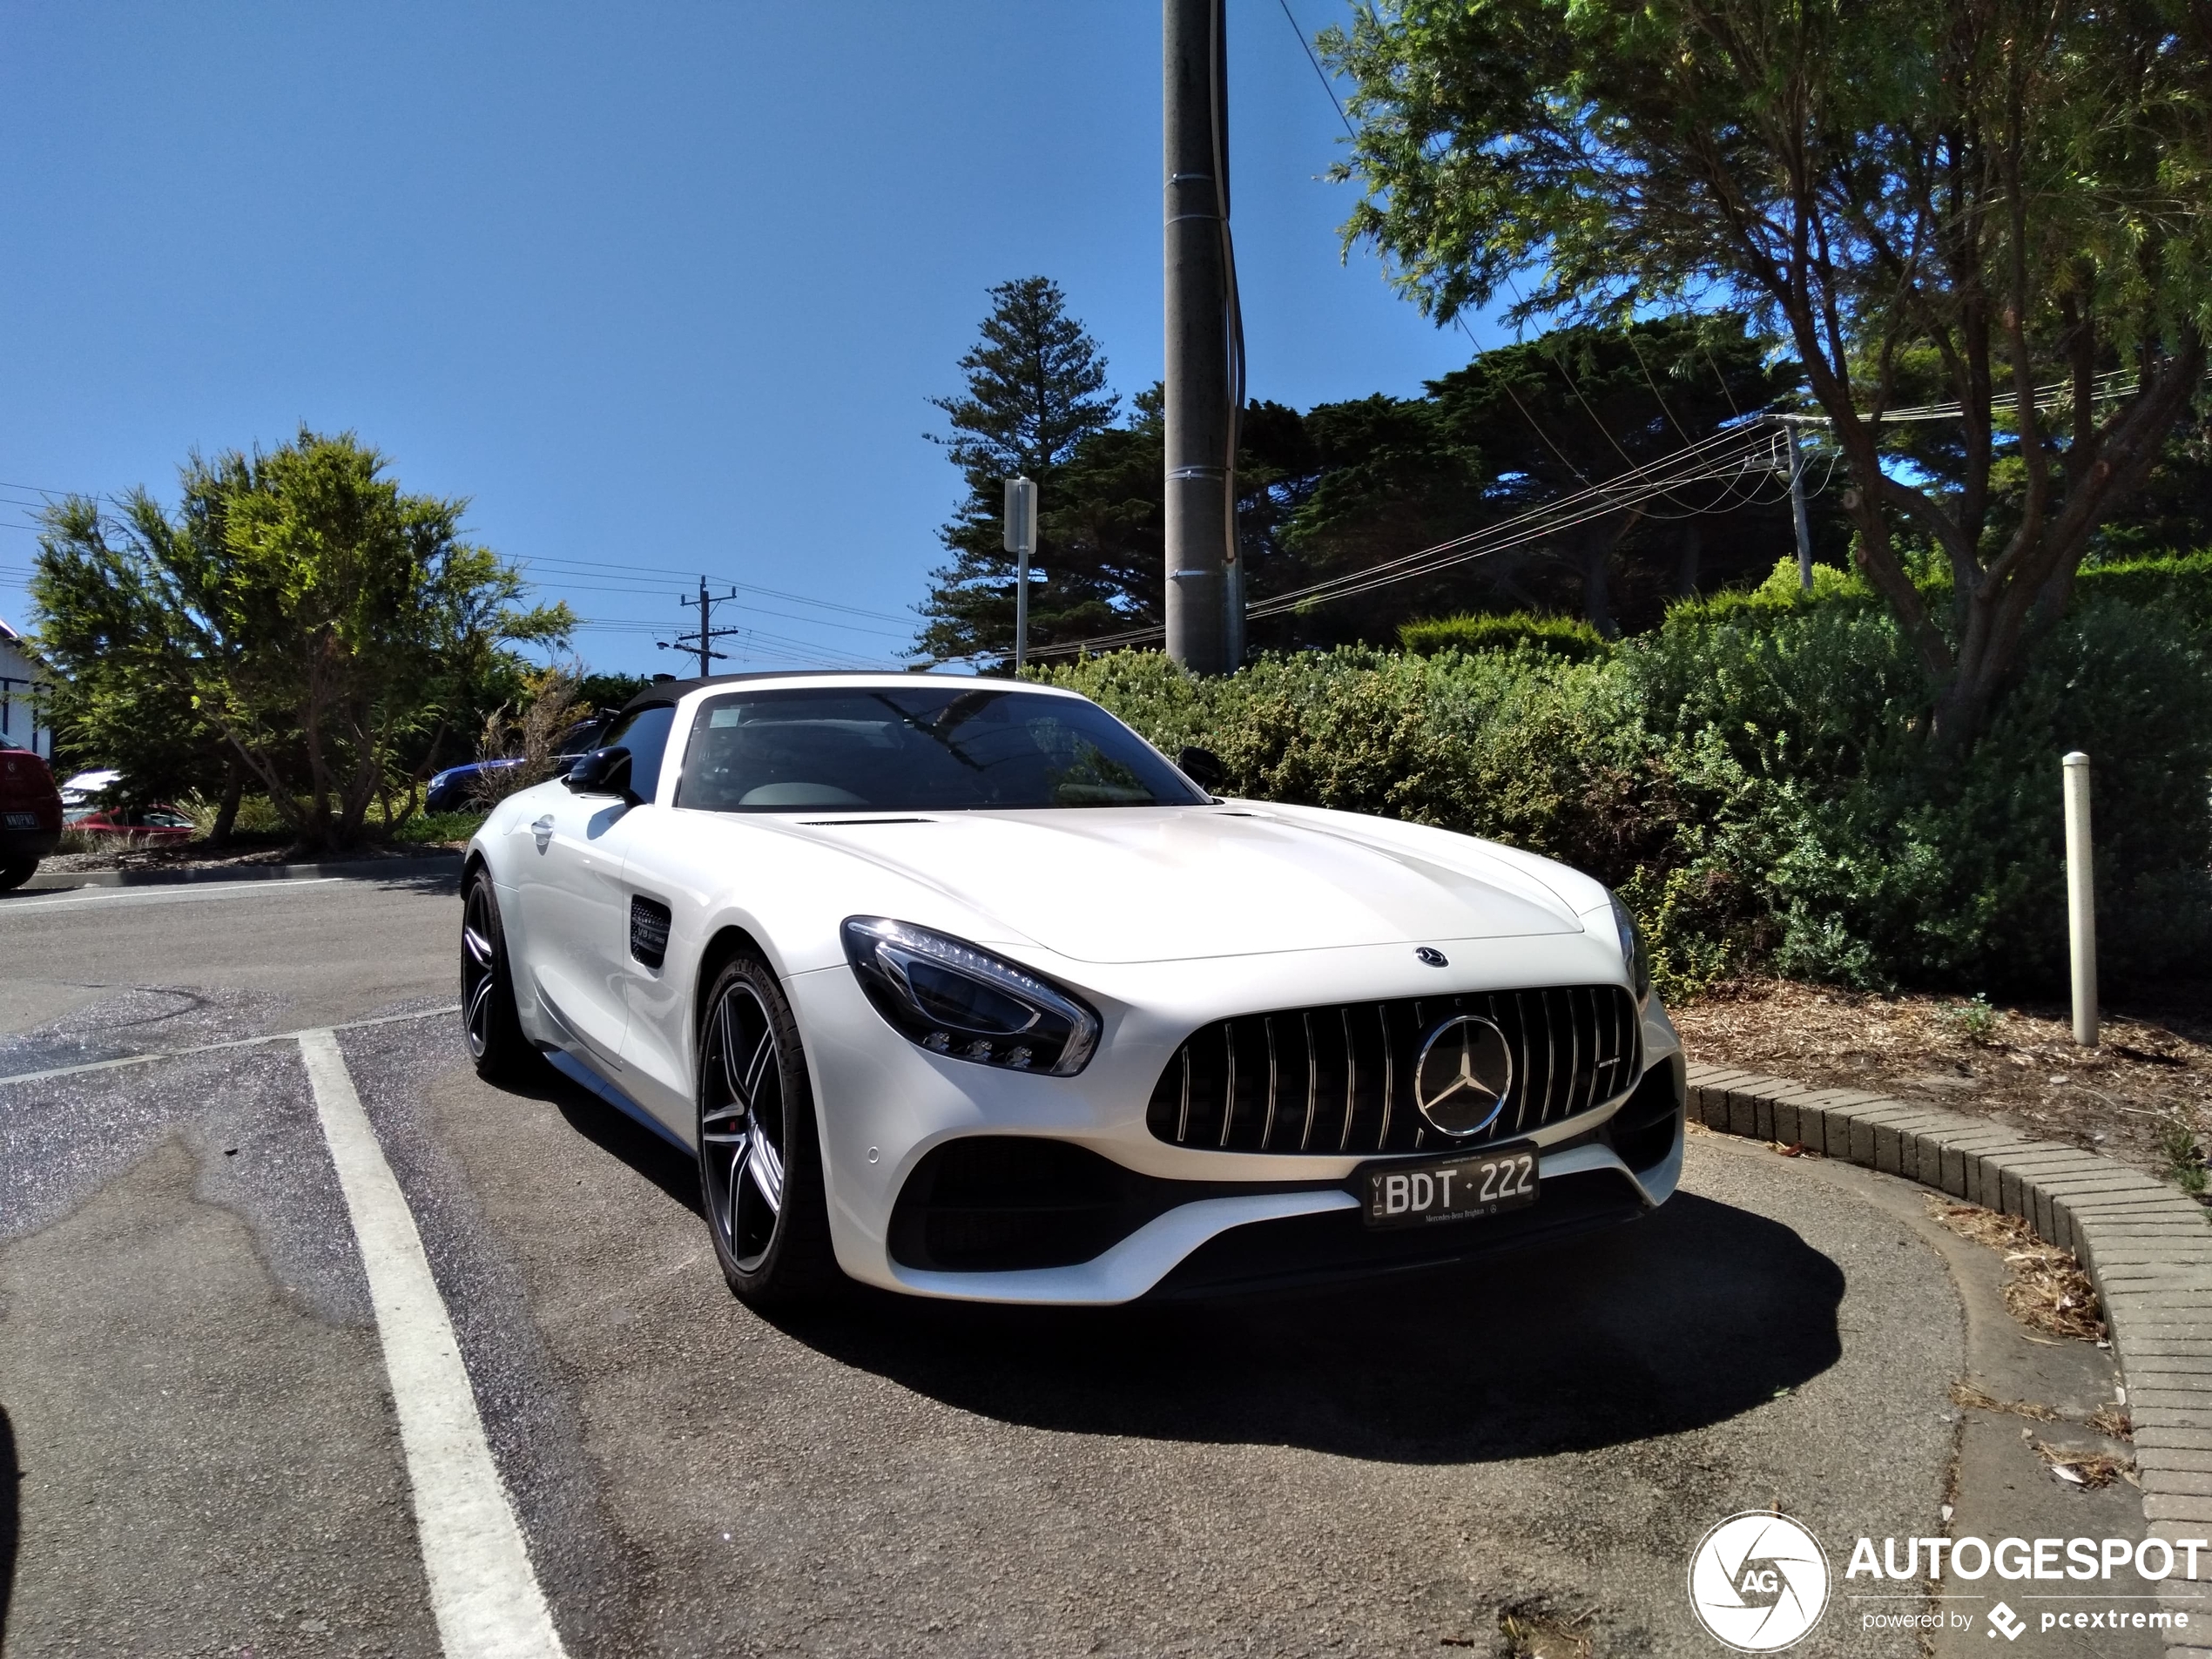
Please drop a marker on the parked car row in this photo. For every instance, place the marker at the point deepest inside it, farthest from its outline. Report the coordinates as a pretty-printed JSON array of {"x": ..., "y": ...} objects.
[{"x": 452, "y": 790}]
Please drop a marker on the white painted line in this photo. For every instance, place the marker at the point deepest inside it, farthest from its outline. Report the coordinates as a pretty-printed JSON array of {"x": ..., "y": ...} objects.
[
  {"x": 213, "y": 1048},
  {"x": 483, "y": 1590},
  {"x": 180, "y": 894}
]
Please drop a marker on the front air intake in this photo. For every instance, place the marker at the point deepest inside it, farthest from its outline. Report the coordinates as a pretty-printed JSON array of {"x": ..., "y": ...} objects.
[{"x": 1339, "y": 1080}]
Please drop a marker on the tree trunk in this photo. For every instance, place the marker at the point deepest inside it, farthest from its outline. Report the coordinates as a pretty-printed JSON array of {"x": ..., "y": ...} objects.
[
  {"x": 226, "y": 812},
  {"x": 1597, "y": 597},
  {"x": 1692, "y": 545}
]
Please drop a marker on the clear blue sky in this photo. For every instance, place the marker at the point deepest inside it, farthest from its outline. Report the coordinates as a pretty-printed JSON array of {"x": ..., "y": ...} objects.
[{"x": 662, "y": 290}]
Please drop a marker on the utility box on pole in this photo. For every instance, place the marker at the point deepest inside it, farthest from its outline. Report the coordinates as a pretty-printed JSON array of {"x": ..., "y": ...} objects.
[
  {"x": 1022, "y": 542},
  {"x": 1195, "y": 158}
]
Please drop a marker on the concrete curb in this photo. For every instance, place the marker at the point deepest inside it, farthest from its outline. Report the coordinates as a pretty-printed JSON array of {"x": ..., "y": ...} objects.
[
  {"x": 364, "y": 869},
  {"x": 2146, "y": 1247}
]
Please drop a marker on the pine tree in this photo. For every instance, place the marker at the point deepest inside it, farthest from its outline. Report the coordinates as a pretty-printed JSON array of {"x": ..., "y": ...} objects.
[{"x": 1037, "y": 389}]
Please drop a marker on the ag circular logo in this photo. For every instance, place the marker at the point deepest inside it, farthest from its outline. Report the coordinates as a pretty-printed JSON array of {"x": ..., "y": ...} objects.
[
  {"x": 1758, "y": 1582},
  {"x": 1460, "y": 1081}
]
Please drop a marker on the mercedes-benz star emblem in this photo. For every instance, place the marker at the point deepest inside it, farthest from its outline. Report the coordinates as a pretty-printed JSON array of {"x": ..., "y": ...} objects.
[
  {"x": 1463, "y": 1076},
  {"x": 1433, "y": 956}
]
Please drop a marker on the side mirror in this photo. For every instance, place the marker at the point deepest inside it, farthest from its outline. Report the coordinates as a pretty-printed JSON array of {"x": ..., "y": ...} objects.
[
  {"x": 1203, "y": 768},
  {"x": 602, "y": 772}
]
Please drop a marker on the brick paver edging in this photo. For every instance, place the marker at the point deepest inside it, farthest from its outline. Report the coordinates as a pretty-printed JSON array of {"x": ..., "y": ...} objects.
[{"x": 2146, "y": 1247}]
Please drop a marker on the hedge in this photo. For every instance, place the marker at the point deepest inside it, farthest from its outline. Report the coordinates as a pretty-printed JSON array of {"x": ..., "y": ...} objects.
[{"x": 1755, "y": 778}]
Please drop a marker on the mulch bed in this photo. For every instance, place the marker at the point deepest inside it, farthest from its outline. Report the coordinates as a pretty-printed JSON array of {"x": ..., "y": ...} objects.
[{"x": 2014, "y": 1063}]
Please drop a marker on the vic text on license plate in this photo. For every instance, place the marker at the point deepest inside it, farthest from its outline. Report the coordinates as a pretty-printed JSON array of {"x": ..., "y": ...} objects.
[{"x": 1480, "y": 1183}]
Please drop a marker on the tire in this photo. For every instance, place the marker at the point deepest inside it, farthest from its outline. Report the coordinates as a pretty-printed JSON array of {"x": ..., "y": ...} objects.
[
  {"x": 493, "y": 1032},
  {"x": 14, "y": 875},
  {"x": 760, "y": 1158}
]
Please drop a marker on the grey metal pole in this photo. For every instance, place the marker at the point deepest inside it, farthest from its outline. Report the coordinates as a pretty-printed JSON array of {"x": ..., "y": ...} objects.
[
  {"x": 2080, "y": 899},
  {"x": 1198, "y": 346},
  {"x": 1020, "y": 540},
  {"x": 706, "y": 633},
  {"x": 1797, "y": 511},
  {"x": 1022, "y": 611}
]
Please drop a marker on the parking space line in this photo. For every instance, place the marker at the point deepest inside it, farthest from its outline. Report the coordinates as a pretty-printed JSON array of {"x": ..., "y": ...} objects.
[
  {"x": 483, "y": 1592},
  {"x": 148, "y": 1058},
  {"x": 190, "y": 894}
]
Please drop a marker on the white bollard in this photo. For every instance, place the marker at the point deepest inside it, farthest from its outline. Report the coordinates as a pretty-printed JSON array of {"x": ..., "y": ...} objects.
[{"x": 2080, "y": 899}]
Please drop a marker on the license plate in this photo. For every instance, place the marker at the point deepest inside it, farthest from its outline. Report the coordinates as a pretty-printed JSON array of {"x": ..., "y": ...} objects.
[
  {"x": 1458, "y": 1188},
  {"x": 19, "y": 820}
]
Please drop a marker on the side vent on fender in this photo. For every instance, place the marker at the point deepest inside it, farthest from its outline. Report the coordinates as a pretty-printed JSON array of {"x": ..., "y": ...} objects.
[{"x": 648, "y": 920}]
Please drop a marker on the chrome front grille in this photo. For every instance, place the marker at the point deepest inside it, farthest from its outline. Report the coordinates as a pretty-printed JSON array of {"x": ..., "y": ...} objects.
[{"x": 1337, "y": 1080}]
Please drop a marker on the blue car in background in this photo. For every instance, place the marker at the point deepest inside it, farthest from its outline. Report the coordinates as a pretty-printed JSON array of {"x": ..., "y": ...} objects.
[{"x": 455, "y": 788}]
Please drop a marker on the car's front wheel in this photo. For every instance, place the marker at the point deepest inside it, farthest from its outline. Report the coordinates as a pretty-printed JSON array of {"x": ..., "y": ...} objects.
[
  {"x": 493, "y": 1030},
  {"x": 760, "y": 1167}
]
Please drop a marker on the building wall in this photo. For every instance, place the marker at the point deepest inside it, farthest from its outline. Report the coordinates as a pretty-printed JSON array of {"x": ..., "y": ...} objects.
[{"x": 19, "y": 712}]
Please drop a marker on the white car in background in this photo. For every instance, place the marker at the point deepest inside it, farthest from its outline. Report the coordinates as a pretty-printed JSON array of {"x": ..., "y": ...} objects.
[{"x": 958, "y": 988}]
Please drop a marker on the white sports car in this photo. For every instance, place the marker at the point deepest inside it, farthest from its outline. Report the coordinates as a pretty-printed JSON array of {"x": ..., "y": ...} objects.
[{"x": 958, "y": 988}]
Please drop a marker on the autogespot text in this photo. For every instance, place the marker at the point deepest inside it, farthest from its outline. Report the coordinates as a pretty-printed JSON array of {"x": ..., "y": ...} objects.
[{"x": 2077, "y": 1559}]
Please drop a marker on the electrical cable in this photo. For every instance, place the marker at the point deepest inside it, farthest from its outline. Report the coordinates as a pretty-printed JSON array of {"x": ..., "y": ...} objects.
[
  {"x": 1321, "y": 74},
  {"x": 748, "y": 587},
  {"x": 1729, "y": 455}
]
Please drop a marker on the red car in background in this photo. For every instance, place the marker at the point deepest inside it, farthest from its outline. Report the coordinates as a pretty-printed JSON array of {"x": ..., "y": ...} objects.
[
  {"x": 146, "y": 824},
  {"x": 30, "y": 815}
]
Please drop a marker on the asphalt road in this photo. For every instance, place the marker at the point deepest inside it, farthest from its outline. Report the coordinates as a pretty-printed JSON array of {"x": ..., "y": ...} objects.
[{"x": 193, "y": 1388}]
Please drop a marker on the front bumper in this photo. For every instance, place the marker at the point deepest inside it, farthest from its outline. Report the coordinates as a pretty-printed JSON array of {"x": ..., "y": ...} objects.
[
  {"x": 20, "y": 846},
  {"x": 1214, "y": 1221}
]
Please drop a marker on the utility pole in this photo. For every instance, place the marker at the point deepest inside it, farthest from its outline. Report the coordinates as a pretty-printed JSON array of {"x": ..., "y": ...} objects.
[
  {"x": 1021, "y": 540},
  {"x": 703, "y": 641},
  {"x": 1798, "y": 511},
  {"x": 1195, "y": 153}
]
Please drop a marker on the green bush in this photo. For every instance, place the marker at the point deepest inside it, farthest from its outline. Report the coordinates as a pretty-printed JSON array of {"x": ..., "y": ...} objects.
[
  {"x": 1755, "y": 778},
  {"x": 1559, "y": 636},
  {"x": 2183, "y": 585}
]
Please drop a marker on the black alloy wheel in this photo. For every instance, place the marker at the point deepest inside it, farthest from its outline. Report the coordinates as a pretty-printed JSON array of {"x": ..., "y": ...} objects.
[
  {"x": 489, "y": 1021},
  {"x": 760, "y": 1173}
]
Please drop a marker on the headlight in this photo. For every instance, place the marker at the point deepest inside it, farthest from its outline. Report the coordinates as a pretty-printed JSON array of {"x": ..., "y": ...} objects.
[
  {"x": 1632, "y": 950},
  {"x": 959, "y": 1001}
]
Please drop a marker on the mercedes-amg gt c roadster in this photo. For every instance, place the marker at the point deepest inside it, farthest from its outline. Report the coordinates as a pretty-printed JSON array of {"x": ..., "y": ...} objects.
[{"x": 961, "y": 988}]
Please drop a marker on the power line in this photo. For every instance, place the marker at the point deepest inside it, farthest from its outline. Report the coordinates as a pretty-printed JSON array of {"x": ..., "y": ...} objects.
[
  {"x": 747, "y": 587},
  {"x": 1729, "y": 455},
  {"x": 1327, "y": 85}
]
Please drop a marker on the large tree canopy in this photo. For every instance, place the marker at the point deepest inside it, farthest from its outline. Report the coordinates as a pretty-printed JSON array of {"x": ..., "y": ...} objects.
[
  {"x": 298, "y": 612},
  {"x": 2012, "y": 193}
]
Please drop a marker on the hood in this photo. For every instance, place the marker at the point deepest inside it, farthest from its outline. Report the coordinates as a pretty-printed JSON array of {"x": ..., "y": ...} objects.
[{"x": 1135, "y": 885}]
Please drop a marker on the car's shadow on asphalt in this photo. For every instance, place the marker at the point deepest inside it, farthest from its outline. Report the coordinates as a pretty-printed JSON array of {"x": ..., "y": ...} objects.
[
  {"x": 620, "y": 1136},
  {"x": 1684, "y": 1320}
]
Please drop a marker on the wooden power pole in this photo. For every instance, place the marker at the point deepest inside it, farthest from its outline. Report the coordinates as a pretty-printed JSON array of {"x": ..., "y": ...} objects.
[{"x": 1196, "y": 157}]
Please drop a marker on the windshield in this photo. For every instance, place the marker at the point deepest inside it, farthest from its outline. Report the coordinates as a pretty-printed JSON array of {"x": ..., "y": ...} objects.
[{"x": 923, "y": 748}]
